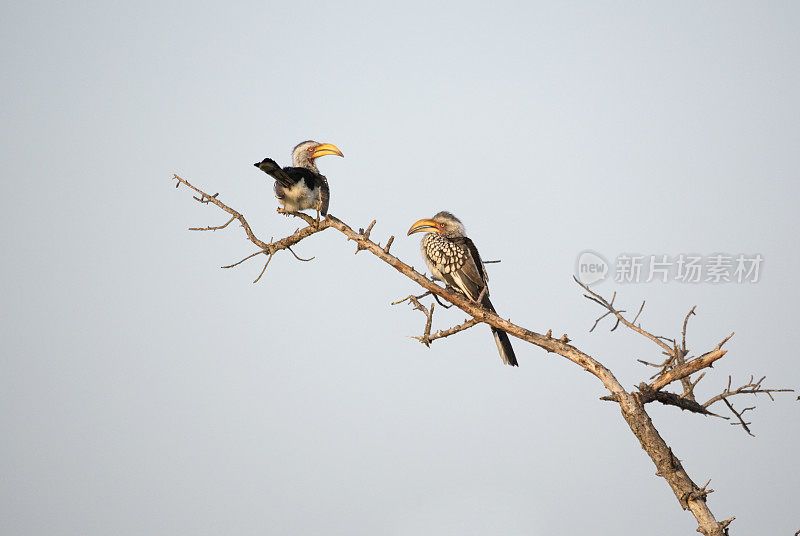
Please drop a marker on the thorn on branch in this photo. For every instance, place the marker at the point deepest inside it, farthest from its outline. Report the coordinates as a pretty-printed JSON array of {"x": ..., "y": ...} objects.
[
  {"x": 724, "y": 525},
  {"x": 205, "y": 198},
  {"x": 441, "y": 334},
  {"x": 701, "y": 493},
  {"x": 368, "y": 231},
  {"x": 363, "y": 235}
]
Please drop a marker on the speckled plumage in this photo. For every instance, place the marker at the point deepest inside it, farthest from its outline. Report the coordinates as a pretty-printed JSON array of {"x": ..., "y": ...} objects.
[
  {"x": 453, "y": 258},
  {"x": 444, "y": 254}
]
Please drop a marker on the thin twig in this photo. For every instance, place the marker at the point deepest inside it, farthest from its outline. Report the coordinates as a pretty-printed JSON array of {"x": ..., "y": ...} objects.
[
  {"x": 213, "y": 228},
  {"x": 246, "y": 258},
  {"x": 609, "y": 306},
  {"x": 264, "y": 269},
  {"x": 441, "y": 334},
  {"x": 299, "y": 258},
  {"x": 739, "y": 416}
]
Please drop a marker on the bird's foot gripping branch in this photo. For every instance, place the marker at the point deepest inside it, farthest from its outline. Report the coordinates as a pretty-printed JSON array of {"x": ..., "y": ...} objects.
[{"x": 677, "y": 366}]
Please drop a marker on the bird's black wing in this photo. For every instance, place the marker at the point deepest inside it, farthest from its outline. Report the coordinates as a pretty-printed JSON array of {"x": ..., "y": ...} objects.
[
  {"x": 282, "y": 176},
  {"x": 312, "y": 180},
  {"x": 500, "y": 337},
  {"x": 324, "y": 195},
  {"x": 470, "y": 245},
  {"x": 471, "y": 277}
]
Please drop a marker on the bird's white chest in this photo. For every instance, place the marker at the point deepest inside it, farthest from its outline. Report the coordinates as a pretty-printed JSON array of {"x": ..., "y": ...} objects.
[{"x": 299, "y": 197}]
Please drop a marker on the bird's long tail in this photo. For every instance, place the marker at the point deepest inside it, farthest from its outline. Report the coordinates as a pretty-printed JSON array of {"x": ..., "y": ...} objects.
[
  {"x": 501, "y": 339},
  {"x": 270, "y": 167}
]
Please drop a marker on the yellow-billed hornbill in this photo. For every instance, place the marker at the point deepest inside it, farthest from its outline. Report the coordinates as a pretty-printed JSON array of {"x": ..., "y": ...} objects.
[
  {"x": 301, "y": 186},
  {"x": 453, "y": 258}
]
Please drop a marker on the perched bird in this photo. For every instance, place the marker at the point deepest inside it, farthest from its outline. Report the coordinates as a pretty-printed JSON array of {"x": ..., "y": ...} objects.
[
  {"x": 301, "y": 186},
  {"x": 453, "y": 258}
]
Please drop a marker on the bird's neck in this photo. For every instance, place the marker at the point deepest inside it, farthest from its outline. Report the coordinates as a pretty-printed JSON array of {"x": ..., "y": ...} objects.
[{"x": 305, "y": 163}]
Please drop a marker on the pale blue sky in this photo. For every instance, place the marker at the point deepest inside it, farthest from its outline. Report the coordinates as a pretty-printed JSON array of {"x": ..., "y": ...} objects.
[{"x": 146, "y": 391}]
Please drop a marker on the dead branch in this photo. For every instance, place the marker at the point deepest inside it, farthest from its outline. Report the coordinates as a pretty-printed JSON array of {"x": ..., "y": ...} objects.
[
  {"x": 609, "y": 306},
  {"x": 680, "y": 354},
  {"x": 441, "y": 334},
  {"x": 688, "y": 368},
  {"x": 751, "y": 388},
  {"x": 739, "y": 416},
  {"x": 647, "y": 395},
  {"x": 264, "y": 269},
  {"x": 268, "y": 248},
  {"x": 241, "y": 261},
  {"x": 299, "y": 258},
  {"x": 669, "y": 467},
  {"x": 426, "y": 338},
  {"x": 212, "y": 228}
]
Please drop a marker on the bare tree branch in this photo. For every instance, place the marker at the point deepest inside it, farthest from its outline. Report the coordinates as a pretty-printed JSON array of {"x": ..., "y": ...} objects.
[
  {"x": 597, "y": 298},
  {"x": 241, "y": 261},
  {"x": 739, "y": 416},
  {"x": 647, "y": 395},
  {"x": 426, "y": 337},
  {"x": 264, "y": 269},
  {"x": 268, "y": 248},
  {"x": 751, "y": 387},
  {"x": 690, "y": 367},
  {"x": 632, "y": 405},
  {"x": 441, "y": 334},
  {"x": 299, "y": 258},
  {"x": 213, "y": 228}
]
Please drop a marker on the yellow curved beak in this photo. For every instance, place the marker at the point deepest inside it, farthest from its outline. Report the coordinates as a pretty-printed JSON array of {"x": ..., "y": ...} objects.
[
  {"x": 427, "y": 226},
  {"x": 325, "y": 149}
]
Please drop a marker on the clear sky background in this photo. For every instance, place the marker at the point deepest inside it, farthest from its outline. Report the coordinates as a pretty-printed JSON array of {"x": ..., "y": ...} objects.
[{"x": 145, "y": 391}]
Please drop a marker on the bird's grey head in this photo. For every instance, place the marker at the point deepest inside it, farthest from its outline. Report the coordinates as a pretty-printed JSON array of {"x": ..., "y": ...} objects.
[
  {"x": 305, "y": 152},
  {"x": 443, "y": 223}
]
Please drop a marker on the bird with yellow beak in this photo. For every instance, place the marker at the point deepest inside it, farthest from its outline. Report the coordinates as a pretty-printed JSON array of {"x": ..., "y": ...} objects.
[
  {"x": 453, "y": 258},
  {"x": 302, "y": 186}
]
